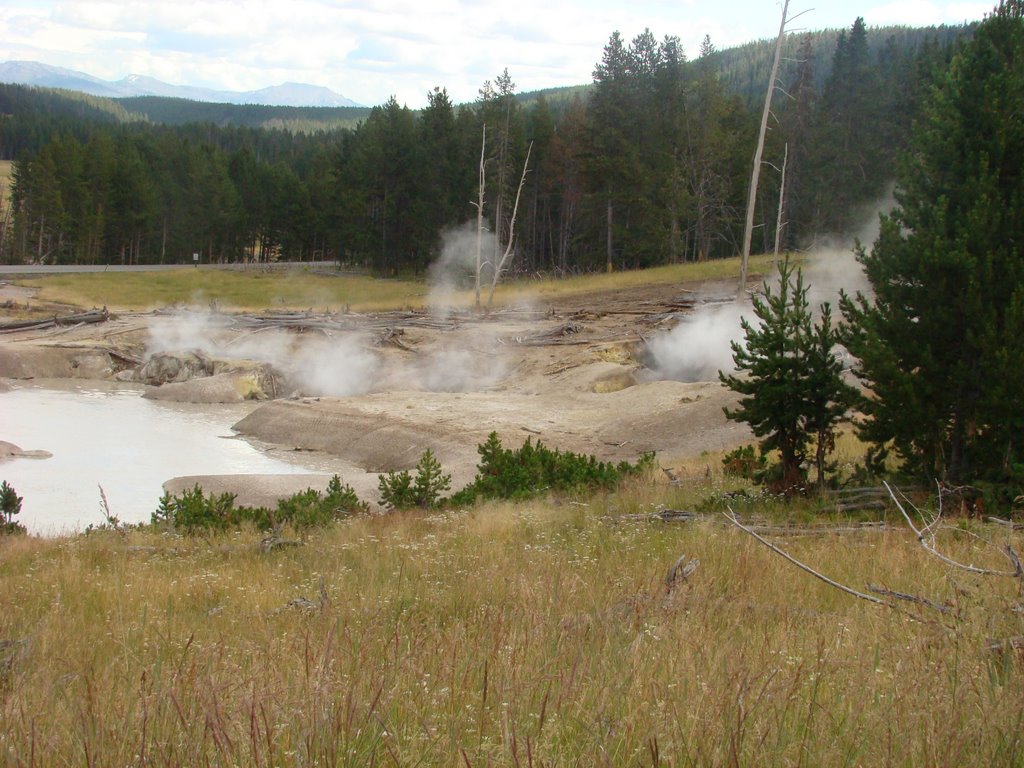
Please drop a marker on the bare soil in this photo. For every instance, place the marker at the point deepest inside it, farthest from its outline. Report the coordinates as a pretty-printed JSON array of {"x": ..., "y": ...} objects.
[{"x": 570, "y": 373}]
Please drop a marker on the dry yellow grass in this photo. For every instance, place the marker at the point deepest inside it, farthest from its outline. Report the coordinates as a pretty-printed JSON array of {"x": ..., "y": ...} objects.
[
  {"x": 508, "y": 635},
  {"x": 295, "y": 288},
  {"x": 6, "y": 178}
]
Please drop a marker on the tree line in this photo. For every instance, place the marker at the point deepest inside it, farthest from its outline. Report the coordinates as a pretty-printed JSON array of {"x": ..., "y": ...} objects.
[{"x": 647, "y": 166}]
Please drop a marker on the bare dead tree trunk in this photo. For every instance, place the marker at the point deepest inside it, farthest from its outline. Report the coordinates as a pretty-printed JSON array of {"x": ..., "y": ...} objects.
[
  {"x": 500, "y": 266},
  {"x": 755, "y": 173},
  {"x": 611, "y": 238},
  {"x": 480, "y": 212},
  {"x": 39, "y": 245},
  {"x": 782, "y": 203}
]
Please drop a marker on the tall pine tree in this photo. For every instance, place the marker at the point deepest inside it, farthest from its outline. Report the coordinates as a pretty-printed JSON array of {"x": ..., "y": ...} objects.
[
  {"x": 794, "y": 392},
  {"x": 941, "y": 341}
]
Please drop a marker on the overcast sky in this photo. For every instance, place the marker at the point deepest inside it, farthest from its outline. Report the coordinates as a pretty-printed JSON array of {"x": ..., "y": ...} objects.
[{"x": 369, "y": 50}]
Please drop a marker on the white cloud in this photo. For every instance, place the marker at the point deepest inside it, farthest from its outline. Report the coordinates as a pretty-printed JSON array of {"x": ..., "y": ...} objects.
[
  {"x": 371, "y": 49},
  {"x": 937, "y": 13}
]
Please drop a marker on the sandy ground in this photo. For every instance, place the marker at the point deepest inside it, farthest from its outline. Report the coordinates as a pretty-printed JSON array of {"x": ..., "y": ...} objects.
[{"x": 379, "y": 389}]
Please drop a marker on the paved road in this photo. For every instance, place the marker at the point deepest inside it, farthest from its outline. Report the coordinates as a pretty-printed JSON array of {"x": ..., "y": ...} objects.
[{"x": 22, "y": 270}]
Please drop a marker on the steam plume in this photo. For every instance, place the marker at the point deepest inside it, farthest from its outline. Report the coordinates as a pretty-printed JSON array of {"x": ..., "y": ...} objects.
[{"x": 699, "y": 346}]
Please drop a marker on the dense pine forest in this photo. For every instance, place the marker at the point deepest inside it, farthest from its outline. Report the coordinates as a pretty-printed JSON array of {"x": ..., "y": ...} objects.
[{"x": 649, "y": 164}]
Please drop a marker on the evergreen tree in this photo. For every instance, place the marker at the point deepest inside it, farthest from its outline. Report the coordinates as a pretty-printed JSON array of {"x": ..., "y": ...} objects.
[
  {"x": 718, "y": 136},
  {"x": 847, "y": 166},
  {"x": 797, "y": 115},
  {"x": 941, "y": 341},
  {"x": 445, "y": 184},
  {"x": 10, "y": 505},
  {"x": 793, "y": 389}
]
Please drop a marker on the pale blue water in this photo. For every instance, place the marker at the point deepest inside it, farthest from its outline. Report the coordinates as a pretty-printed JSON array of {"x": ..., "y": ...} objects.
[{"x": 102, "y": 434}]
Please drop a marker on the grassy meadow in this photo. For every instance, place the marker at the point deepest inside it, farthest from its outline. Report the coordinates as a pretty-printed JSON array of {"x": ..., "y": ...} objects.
[
  {"x": 299, "y": 288},
  {"x": 533, "y": 634}
]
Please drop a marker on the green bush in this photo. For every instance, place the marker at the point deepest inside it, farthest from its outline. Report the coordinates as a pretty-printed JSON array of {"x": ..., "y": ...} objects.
[
  {"x": 311, "y": 509},
  {"x": 745, "y": 462},
  {"x": 396, "y": 490},
  {"x": 534, "y": 469},
  {"x": 10, "y": 505},
  {"x": 194, "y": 512},
  {"x": 400, "y": 490}
]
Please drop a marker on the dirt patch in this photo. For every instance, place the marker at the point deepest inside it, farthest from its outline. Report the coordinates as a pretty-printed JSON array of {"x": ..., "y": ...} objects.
[
  {"x": 570, "y": 373},
  {"x": 53, "y": 362}
]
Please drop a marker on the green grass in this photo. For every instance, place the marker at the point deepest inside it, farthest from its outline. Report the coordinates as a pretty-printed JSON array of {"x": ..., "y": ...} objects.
[
  {"x": 300, "y": 289},
  {"x": 503, "y": 635}
]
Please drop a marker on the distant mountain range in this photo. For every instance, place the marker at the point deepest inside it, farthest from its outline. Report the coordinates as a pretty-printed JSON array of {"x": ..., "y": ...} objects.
[{"x": 284, "y": 95}]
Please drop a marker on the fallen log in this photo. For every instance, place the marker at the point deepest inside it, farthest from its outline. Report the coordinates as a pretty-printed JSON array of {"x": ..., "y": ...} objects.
[{"x": 79, "y": 318}]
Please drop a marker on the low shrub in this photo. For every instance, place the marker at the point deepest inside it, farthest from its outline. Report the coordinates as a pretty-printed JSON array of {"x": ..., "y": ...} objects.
[
  {"x": 745, "y": 462},
  {"x": 400, "y": 490},
  {"x": 10, "y": 505},
  {"x": 195, "y": 512},
  {"x": 534, "y": 469}
]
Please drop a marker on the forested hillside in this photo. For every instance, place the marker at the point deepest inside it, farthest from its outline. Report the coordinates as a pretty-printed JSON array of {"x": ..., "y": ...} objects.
[
  {"x": 165, "y": 111},
  {"x": 649, "y": 164}
]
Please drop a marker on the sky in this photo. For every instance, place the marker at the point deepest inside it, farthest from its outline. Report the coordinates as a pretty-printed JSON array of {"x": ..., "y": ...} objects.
[{"x": 370, "y": 50}]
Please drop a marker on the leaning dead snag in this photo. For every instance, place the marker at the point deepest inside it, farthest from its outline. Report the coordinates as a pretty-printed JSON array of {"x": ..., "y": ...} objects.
[
  {"x": 755, "y": 173},
  {"x": 500, "y": 266},
  {"x": 480, "y": 211},
  {"x": 782, "y": 201}
]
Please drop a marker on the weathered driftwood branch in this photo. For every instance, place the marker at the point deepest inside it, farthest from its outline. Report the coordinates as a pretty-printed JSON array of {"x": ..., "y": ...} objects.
[
  {"x": 819, "y": 530},
  {"x": 859, "y": 499},
  {"x": 922, "y": 538},
  {"x": 80, "y": 318},
  {"x": 681, "y": 571},
  {"x": 908, "y": 597},
  {"x": 1018, "y": 569},
  {"x": 1002, "y": 521},
  {"x": 731, "y": 517}
]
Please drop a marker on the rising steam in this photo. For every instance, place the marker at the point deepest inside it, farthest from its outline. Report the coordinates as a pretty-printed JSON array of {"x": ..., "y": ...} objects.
[
  {"x": 454, "y": 269},
  {"x": 700, "y": 345},
  {"x": 336, "y": 366}
]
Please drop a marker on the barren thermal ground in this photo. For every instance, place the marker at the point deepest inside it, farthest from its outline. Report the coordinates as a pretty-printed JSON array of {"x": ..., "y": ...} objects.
[{"x": 614, "y": 374}]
